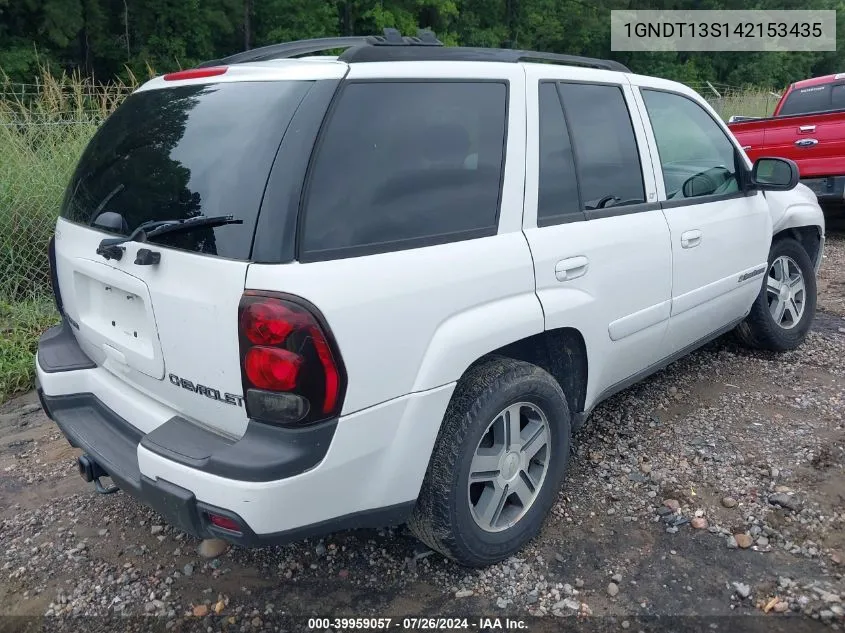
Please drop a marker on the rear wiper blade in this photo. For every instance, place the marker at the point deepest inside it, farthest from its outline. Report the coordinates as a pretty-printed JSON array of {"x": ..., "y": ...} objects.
[{"x": 153, "y": 228}]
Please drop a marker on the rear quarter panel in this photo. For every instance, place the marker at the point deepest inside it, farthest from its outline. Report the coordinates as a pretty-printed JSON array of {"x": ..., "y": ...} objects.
[{"x": 413, "y": 320}]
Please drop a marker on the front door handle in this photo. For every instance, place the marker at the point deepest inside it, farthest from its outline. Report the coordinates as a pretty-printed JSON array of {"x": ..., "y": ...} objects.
[
  {"x": 690, "y": 239},
  {"x": 571, "y": 268}
]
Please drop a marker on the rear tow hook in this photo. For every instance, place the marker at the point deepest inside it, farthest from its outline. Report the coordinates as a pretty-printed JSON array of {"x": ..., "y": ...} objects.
[{"x": 90, "y": 471}]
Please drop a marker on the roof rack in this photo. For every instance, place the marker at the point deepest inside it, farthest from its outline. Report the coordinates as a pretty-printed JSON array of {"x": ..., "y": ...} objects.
[
  {"x": 392, "y": 46},
  {"x": 373, "y": 54},
  {"x": 286, "y": 50}
]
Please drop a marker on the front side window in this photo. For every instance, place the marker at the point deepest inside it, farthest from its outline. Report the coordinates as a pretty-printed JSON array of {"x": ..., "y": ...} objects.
[
  {"x": 405, "y": 164},
  {"x": 696, "y": 156},
  {"x": 609, "y": 172}
]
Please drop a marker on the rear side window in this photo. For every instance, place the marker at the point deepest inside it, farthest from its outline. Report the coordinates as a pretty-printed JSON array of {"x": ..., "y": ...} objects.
[
  {"x": 609, "y": 171},
  {"x": 812, "y": 99},
  {"x": 406, "y": 164},
  {"x": 179, "y": 152},
  {"x": 557, "y": 195}
]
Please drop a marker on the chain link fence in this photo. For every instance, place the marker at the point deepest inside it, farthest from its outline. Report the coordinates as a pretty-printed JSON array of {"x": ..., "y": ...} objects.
[
  {"x": 36, "y": 160},
  {"x": 44, "y": 128}
]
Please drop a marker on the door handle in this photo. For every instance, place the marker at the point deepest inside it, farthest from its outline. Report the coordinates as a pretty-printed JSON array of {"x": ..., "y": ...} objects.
[
  {"x": 690, "y": 239},
  {"x": 804, "y": 129},
  {"x": 806, "y": 142},
  {"x": 571, "y": 268}
]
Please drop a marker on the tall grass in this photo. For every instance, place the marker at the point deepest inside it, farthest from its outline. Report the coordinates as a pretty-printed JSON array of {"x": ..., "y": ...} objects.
[
  {"x": 42, "y": 134},
  {"x": 747, "y": 102},
  {"x": 43, "y": 131}
]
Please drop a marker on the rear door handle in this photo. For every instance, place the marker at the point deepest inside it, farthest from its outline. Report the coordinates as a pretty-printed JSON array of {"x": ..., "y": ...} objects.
[
  {"x": 571, "y": 268},
  {"x": 690, "y": 239},
  {"x": 804, "y": 129}
]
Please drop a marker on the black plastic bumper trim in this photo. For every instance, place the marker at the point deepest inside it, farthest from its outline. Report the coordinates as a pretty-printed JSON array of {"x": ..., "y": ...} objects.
[
  {"x": 112, "y": 443},
  {"x": 375, "y": 518},
  {"x": 264, "y": 453},
  {"x": 58, "y": 351},
  {"x": 95, "y": 429}
]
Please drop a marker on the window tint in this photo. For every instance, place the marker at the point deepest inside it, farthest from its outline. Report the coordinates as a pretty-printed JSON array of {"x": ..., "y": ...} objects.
[
  {"x": 696, "y": 156},
  {"x": 803, "y": 100},
  {"x": 557, "y": 198},
  {"x": 179, "y": 152},
  {"x": 609, "y": 171},
  {"x": 837, "y": 97},
  {"x": 405, "y": 164}
]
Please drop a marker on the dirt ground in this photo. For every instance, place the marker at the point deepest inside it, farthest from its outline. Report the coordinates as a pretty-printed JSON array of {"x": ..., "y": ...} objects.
[{"x": 709, "y": 497}]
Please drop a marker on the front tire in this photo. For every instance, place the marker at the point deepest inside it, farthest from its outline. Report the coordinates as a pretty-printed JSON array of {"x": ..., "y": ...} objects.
[
  {"x": 497, "y": 465},
  {"x": 784, "y": 310}
]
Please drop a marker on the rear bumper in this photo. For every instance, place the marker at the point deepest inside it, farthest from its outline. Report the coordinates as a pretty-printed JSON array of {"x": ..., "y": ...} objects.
[
  {"x": 830, "y": 189},
  {"x": 367, "y": 474}
]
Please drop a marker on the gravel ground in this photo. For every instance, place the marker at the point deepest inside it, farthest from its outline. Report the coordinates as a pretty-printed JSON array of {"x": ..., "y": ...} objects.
[{"x": 715, "y": 488}]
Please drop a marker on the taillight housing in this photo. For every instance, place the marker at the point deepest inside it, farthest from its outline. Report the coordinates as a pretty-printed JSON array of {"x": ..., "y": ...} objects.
[{"x": 291, "y": 368}]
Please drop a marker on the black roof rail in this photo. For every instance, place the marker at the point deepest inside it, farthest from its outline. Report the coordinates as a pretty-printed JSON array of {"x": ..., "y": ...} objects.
[
  {"x": 285, "y": 50},
  {"x": 384, "y": 54},
  {"x": 392, "y": 46}
]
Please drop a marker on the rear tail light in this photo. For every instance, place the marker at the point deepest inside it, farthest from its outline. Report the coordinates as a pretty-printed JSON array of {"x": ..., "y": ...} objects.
[{"x": 291, "y": 368}]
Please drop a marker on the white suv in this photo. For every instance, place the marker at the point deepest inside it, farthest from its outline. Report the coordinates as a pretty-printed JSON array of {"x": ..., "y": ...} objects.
[{"x": 304, "y": 295}]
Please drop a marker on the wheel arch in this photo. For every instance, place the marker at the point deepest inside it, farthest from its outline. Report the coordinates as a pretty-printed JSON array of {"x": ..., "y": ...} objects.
[
  {"x": 810, "y": 237},
  {"x": 561, "y": 352}
]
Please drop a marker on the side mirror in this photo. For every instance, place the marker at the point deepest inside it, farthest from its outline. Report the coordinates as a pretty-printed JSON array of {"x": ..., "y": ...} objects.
[
  {"x": 699, "y": 185},
  {"x": 774, "y": 174}
]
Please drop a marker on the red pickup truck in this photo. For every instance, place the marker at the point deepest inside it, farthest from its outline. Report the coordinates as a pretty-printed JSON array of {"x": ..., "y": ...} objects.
[{"x": 808, "y": 126}]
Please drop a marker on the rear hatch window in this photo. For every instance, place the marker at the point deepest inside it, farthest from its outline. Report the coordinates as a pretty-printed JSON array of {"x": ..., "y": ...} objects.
[
  {"x": 821, "y": 98},
  {"x": 180, "y": 152}
]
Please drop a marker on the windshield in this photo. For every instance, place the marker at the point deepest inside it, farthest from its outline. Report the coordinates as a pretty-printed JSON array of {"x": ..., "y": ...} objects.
[{"x": 181, "y": 152}]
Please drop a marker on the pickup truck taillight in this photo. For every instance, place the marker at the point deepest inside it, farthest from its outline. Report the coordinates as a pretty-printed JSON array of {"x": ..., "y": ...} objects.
[{"x": 290, "y": 366}]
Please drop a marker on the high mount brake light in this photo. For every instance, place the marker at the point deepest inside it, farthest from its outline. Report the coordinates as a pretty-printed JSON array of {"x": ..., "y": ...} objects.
[
  {"x": 196, "y": 73},
  {"x": 291, "y": 369}
]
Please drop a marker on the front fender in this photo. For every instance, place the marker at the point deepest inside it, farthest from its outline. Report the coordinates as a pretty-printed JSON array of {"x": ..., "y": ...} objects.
[{"x": 795, "y": 209}]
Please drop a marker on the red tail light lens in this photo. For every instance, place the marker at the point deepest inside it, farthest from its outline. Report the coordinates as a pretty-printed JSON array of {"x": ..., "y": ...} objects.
[
  {"x": 196, "y": 73},
  {"x": 292, "y": 371},
  {"x": 224, "y": 522},
  {"x": 272, "y": 368},
  {"x": 267, "y": 322}
]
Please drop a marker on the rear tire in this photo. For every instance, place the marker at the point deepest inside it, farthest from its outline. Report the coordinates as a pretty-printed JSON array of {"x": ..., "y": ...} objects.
[
  {"x": 516, "y": 474},
  {"x": 784, "y": 310}
]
